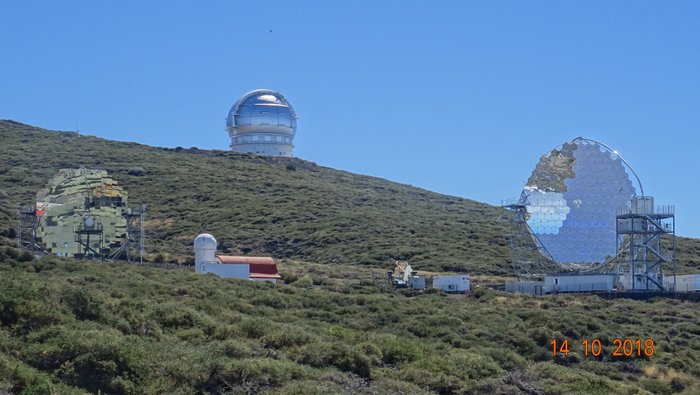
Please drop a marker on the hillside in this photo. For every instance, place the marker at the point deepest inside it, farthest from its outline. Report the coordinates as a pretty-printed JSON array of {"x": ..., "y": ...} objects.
[
  {"x": 75, "y": 327},
  {"x": 81, "y": 327},
  {"x": 283, "y": 207}
]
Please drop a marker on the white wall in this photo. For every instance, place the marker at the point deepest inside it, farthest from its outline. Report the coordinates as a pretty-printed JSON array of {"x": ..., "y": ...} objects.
[
  {"x": 580, "y": 283},
  {"x": 526, "y": 287},
  {"x": 241, "y": 271},
  {"x": 451, "y": 283},
  {"x": 684, "y": 283}
]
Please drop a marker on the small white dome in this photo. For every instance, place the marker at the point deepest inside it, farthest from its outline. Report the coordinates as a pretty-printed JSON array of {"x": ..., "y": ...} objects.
[{"x": 205, "y": 240}]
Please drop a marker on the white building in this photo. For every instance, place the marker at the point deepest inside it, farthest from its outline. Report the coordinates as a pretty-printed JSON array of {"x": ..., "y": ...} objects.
[
  {"x": 452, "y": 284},
  {"x": 684, "y": 283},
  {"x": 243, "y": 267},
  {"x": 563, "y": 282},
  {"x": 526, "y": 287}
]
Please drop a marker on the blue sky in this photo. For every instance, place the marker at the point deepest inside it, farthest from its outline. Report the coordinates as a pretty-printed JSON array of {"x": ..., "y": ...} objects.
[{"x": 458, "y": 97}]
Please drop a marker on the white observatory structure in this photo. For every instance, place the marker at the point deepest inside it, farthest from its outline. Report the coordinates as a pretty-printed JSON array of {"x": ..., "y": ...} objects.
[
  {"x": 204, "y": 252},
  {"x": 262, "y": 122},
  {"x": 242, "y": 267}
]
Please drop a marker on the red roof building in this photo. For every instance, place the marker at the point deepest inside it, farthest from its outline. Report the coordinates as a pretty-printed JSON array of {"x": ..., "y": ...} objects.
[{"x": 259, "y": 268}]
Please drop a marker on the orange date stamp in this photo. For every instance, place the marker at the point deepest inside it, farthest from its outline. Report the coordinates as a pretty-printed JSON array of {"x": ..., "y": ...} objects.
[{"x": 627, "y": 348}]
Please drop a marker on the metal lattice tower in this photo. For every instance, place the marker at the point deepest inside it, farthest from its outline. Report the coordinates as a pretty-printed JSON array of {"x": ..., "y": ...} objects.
[
  {"x": 645, "y": 229},
  {"x": 134, "y": 246},
  {"x": 90, "y": 226},
  {"x": 26, "y": 235}
]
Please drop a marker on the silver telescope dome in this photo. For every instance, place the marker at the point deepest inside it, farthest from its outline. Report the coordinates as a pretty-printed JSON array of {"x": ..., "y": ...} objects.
[{"x": 262, "y": 122}]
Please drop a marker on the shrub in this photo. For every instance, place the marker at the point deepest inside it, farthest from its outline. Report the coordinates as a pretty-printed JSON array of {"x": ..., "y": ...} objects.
[
  {"x": 176, "y": 316},
  {"x": 16, "y": 377},
  {"x": 83, "y": 304},
  {"x": 26, "y": 307},
  {"x": 137, "y": 171},
  {"x": 286, "y": 336},
  {"x": 338, "y": 355},
  {"x": 101, "y": 360},
  {"x": 396, "y": 351},
  {"x": 233, "y": 348},
  {"x": 273, "y": 300},
  {"x": 303, "y": 282},
  {"x": 11, "y": 253},
  {"x": 655, "y": 386},
  {"x": 190, "y": 334},
  {"x": 505, "y": 357},
  {"x": 451, "y": 373},
  {"x": 25, "y": 256},
  {"x": 255, "y": 328},
  {"x": 251, "y": 375},
  {"x": 371, "y": 351}
]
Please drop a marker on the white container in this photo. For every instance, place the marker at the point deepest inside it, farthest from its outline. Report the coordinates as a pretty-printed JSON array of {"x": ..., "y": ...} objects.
[
  {"x": 416, "y": 282},
  {"x": 684, "y": 283},
  {"x": 557, "y": 283},
  {"x": 452, "y": 284},
  {"x": 525, "y": 287}
]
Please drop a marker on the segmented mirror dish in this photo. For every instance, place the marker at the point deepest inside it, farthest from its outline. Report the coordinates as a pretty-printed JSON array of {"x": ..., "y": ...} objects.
[{"x": 572, "y": 199}]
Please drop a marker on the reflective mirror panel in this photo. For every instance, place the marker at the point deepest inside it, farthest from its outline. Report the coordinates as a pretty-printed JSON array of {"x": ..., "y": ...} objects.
[{"x": 573, "y": 196}]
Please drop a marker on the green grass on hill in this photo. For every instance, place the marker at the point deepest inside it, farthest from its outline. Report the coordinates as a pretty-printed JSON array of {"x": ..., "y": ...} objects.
[
  {"x": 73, "y": 327},
  {"x": 84, "y": 327},
  {"x": 283, "y": 207}
]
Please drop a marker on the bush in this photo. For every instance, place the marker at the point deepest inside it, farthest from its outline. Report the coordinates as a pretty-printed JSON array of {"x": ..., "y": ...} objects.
[
  {"x": 396, "y": 351},
  {"x": 25, "y": 256},
  {"x": 233, "y": 348},
  {"x": 137, "y": 171},
  {"x": 303, "y": 282},
  {"x": 83, "y": 304},
  {"x": 176, "y": 316},
  {"x": 11, "y": 253},
  {"x": 255, "y": 328},
  {"x": 25, "y": 307},
  {"x": 251, "y": 376},
  {"x": 102, "y": 361},
  {"x": 452, "y": 373},
  {"x": 16, "y": 377},
  {"x": 286, "y": 336},
  {"x": 335, "y": 354},
  {"x": 506, "y": 359}
]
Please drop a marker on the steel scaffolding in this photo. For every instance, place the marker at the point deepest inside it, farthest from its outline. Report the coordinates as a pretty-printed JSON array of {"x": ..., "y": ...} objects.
[{"x": 651, "y": 235}]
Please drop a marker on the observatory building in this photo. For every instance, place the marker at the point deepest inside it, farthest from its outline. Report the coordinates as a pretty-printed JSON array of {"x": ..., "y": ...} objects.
[
  {"x": 568, "y": 209},
  {"x": 585, "y": 209},
  {"x": 242, "y": 267},
  {"x": 81, "y": 213},
  {"x": 262, "y": 122},
  {"x": 572, "y": 198}
]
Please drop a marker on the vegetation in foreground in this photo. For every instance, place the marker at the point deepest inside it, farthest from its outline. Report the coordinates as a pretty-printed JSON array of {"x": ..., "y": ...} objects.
[{"x": 70, "y": 327}]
